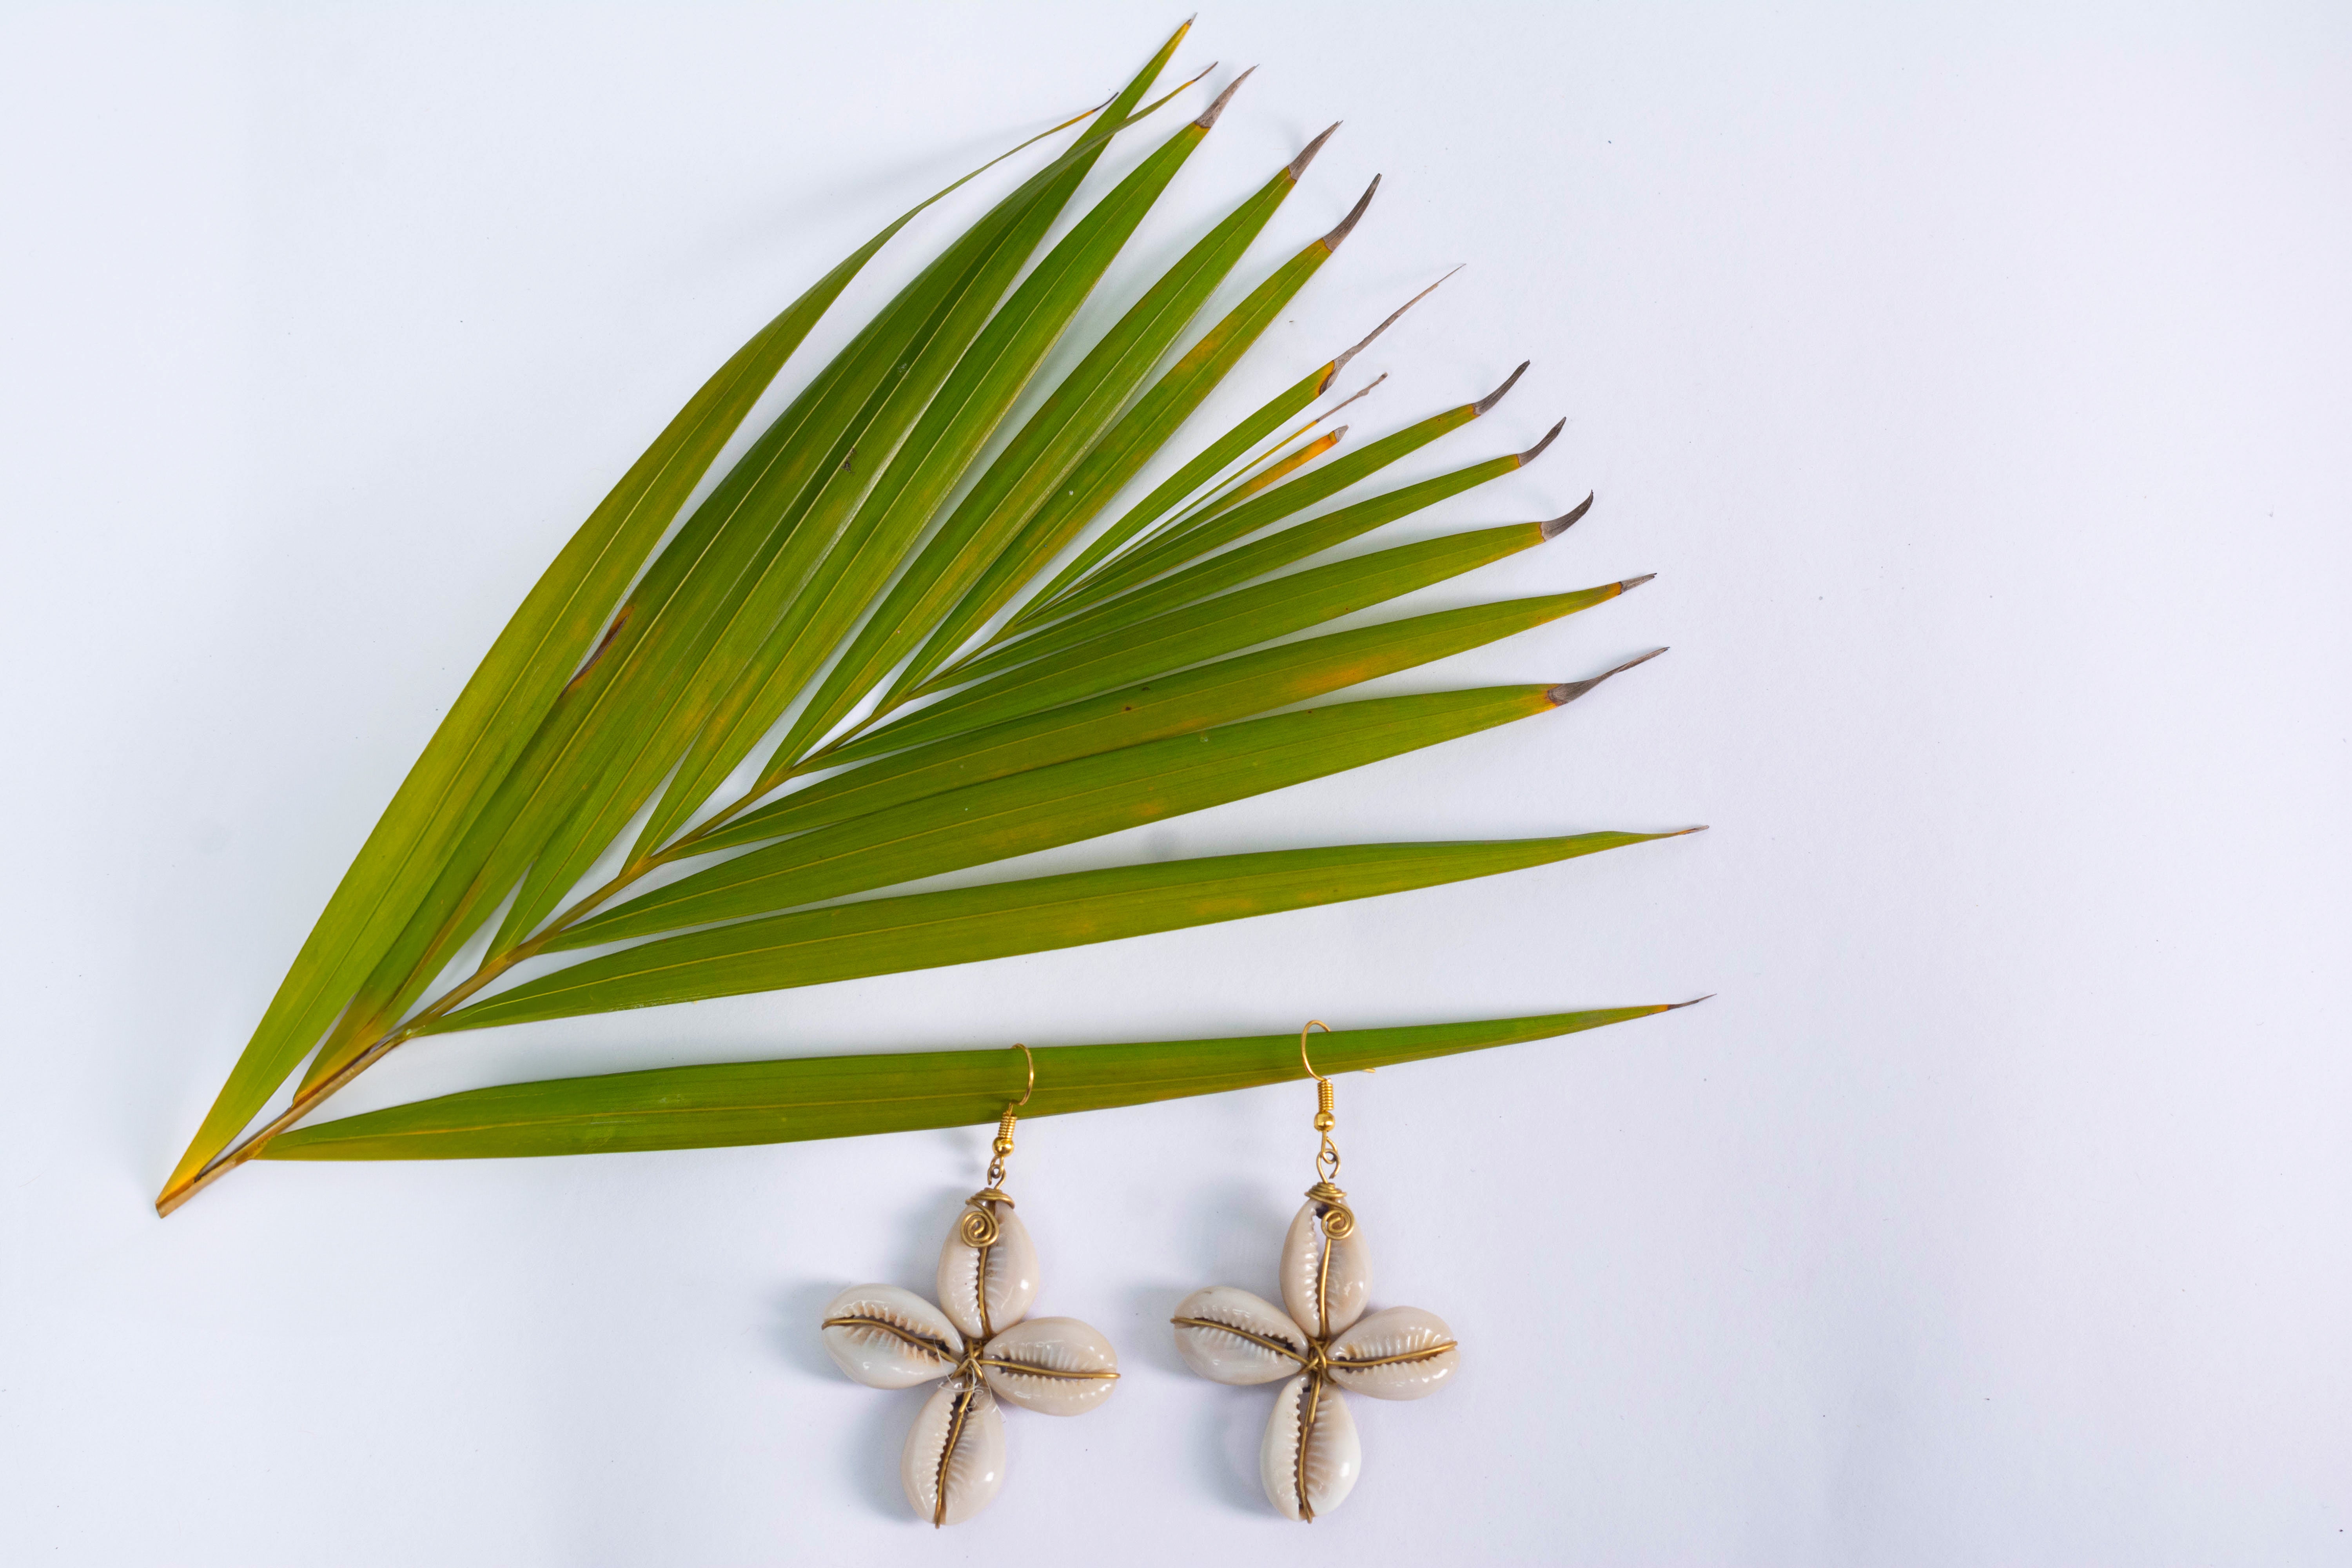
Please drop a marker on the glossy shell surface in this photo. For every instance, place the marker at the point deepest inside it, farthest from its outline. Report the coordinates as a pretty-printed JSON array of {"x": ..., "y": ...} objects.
[
  {"x": 1241, "y": 1348},
  {"x": 1311, "y": 1438},
  {"x": 1056, "y": 1366},
  {"x": 1397, "y": 1352},
  {"x": 987, "y": 1290},
  {"x": 957, "y": 1447},
  {"x": 1325, "y": 1281},
  {"x": 895, "y": 1340}
]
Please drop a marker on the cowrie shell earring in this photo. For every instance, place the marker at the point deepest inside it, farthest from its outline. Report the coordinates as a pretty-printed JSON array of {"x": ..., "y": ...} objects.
[
  {"x": 1323, "y": 1344},
  {"x": 978, "y": 1343}
]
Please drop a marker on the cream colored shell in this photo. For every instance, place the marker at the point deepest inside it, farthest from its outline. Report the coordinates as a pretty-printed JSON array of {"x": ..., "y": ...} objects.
[
  {"x": 1325, "y": 1344},
  {"x": 1318, "y": 1422},
  {"x": 1397, "y": 1352},
  {"x": 1056, "y": 1366},
  {"x": 987, "y": 1290},
  {"x": 957, "y": 1445},
  {"x": 984, "y": 1345},
  {"x": 1325, "y": 1282},
  {"x": 892, "y": 1338},
  {"x": 1229, "y": 1336}
]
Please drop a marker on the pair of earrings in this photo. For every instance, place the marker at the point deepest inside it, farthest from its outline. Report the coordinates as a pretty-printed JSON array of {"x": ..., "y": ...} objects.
[{"x": 981, "y": 1346}]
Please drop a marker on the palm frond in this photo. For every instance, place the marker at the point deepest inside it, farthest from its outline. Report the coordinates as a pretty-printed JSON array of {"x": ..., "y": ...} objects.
[{"x": 928, "y": 658}]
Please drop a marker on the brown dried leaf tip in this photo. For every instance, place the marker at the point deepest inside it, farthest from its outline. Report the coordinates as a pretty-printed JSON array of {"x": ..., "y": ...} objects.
[
  {"x": 1492, "y": 398},
  {"x": 1569, "y": 692},
  {"x": 1299, "y": 165},
  {"x": 1532, "y": 453},
  {"x": 1341, "y": 363},
  {"x": 1209, "y": 115},
  {"x": 1332, "y": 240},
  {"x": 1554, "y": 527}
]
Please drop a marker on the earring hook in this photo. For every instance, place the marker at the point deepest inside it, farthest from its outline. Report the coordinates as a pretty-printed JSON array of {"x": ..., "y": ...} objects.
[
  {"x": 1338, "y": 1221},
  {"x": 1003, "y": 1147},
  {"x": 1311, "y": 1023}
]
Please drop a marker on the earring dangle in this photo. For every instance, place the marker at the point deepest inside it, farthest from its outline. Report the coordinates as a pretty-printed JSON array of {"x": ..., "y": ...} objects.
[
  {"x": 979, "y": 1339},
  {"x": 1323, "y": 1344}
]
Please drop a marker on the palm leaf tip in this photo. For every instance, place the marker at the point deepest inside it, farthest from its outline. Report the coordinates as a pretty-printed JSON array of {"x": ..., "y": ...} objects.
[
  {"x": 1307, "y": 155},
  {"x": 1492, "y": 398},
  {"x": 1341, "y": 364},
  {"x": 1569, "y": 692},
  {"x": 1554, "y": 527},
  {"x": 1347, "y": 225},
  {"x": 1208, "y": 119},
  {"x": 1532, "y": 453}
]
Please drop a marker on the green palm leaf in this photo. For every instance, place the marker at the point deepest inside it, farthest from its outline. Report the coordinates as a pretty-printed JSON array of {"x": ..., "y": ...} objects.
[
  {"x": 1175, "y": 705},
  {"x": 964, "y": 925},
  {"x": 1217, "y": 526},
  {"x": 1085, "y": 797},
  {"x": 729, "y": 1104},
  {"x": 1207, "y": 630},
  {"x": 933, "y": 638}
]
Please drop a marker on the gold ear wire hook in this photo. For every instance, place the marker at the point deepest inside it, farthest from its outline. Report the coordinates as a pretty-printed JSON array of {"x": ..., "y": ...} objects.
[
  {"x": 1338, "y": 1221},
  {"x": 1311, "y": 1023},
  {"x": 1032, "y": 1089},
  {"x": 1003, "y": 1147}
]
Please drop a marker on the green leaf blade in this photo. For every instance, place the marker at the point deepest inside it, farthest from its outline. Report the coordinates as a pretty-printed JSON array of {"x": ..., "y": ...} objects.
[
  {"x": 1059, "y": 468},
  {"x": 1043, "y": 809},
  {"x": 966, "y": 925},
  {"x": 971, "y": 402},
  {"x": 1227, "y": 690},
  {"x": 736, "y": 1104},
  {"x": 1233, "y": 569},
  {"x": 1211, "y": 629},
  {"x": 1221, "y": 526}
]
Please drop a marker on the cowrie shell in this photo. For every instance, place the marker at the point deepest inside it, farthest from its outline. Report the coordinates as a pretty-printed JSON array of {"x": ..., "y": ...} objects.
[
  {"x": 893, "y": 1338},
  {"x": 1056, "y": 1366},
  {"x": 957, "y": 1447},
  {"x": 1222, "y": 1334},
  {"x": 985, "y": 1290},
  {"x": 1317, "y": 1422},
  {"x": 1326, "y": 1279},
  {"x": 1398, "y": 1352}
]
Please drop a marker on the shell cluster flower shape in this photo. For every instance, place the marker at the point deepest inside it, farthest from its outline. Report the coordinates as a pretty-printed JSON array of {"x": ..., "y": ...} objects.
[
  {"x": 1325, "y": 1342},
  {"x": 981, "y": 1346}
]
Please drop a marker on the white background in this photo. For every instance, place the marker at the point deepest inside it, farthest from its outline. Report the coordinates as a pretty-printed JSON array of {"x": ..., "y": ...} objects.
[{"x": 1976, "y": 384}]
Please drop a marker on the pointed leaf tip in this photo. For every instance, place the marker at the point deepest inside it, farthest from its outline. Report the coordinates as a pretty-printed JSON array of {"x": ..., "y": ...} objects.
[
  {"x": 1692, "y": 1003},
  {"x": 1532, "y": 453},
  {"x": 1209, "y": 115},
  {"x": 1298, "y": 166},
  {"x": 1341, "y": 364},
  {"x": 1553, "y": 528},
  {"x": 1332, "y": 240},
  {"x": 1630, "y": 583},
  {"x": 1570, "y": 691},
  {"x": 1492, "y": 398}
]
